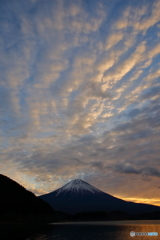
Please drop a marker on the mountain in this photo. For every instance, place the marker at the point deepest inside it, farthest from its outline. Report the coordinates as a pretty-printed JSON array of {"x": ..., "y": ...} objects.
[
  {"x": 16, "y": 202},
  {"x": 79, "y": 196}
]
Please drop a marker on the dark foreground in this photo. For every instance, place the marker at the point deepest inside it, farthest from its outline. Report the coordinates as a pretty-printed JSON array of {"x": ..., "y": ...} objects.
[{"x": 79, "y": 231}]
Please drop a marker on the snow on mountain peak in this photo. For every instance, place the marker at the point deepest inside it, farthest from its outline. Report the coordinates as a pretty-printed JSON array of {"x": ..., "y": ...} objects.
[{"x": 77, "y": 185}]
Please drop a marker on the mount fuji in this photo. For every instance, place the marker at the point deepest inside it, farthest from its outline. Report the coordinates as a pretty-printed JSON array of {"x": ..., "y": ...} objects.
[{"x": 79, "y": 196}]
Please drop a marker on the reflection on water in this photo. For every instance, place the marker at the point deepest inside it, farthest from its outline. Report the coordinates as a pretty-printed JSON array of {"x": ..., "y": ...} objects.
[{"x": 81, "y": 231}]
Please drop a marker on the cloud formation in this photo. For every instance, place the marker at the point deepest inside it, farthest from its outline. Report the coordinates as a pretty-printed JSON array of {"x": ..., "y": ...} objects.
[{"x": 79, "y": 95}]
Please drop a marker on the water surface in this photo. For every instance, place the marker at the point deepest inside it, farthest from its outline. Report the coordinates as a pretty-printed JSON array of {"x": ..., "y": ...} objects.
[{"x": 109, "y": 230}]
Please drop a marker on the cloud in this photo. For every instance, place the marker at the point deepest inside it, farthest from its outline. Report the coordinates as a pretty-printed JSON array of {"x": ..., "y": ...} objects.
[
  {"x": 126, "y": 66},
  {"x": 152, "y": 92},
  {"x": 141, "y": 18},
  {"x": 128, "y": 169},
  {"x": 97, "y": 165},
  {"x": 113, "y": 39},
  {"x": 147, "y": 22}
]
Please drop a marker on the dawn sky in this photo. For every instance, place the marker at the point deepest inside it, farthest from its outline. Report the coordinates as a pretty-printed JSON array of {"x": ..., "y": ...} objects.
[{"x": 80, "y": 95}]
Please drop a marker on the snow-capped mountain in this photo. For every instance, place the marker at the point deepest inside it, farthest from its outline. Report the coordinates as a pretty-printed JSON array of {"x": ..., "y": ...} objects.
[
  {"x": 79, "y": 196},
  {"x": 78, "y": 186}
]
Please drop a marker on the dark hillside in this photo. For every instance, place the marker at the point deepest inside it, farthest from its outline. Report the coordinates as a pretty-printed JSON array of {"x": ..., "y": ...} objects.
[{"x": 15, "y": 200}]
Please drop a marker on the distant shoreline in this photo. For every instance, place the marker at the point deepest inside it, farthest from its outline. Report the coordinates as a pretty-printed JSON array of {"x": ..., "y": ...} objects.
[{"x": 120, "y": 222}]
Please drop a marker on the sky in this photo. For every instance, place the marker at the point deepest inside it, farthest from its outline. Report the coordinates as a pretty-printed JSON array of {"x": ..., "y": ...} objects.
[{"x": 80, "y": 95}]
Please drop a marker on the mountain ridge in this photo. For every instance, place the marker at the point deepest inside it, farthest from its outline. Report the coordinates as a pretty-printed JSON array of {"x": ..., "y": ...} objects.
[{"x": 79, "y": 196}]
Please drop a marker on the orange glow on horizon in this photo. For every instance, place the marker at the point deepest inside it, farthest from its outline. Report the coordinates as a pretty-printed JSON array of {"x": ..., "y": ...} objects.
[{"x": 152, "y": 201}]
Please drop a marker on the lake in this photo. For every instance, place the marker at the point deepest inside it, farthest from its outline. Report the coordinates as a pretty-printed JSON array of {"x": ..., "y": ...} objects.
[{"x": 111, "y": 230}]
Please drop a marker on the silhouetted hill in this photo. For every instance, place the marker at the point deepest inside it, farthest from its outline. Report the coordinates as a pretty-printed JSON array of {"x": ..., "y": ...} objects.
[{"x": 18, "y": 203}]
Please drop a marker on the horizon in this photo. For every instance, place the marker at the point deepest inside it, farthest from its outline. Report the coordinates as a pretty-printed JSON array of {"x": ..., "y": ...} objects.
[
  {"x": 80, "y": 95},
  {"x": 71, "y": 190},
  {"x": 128, "y": 199}
]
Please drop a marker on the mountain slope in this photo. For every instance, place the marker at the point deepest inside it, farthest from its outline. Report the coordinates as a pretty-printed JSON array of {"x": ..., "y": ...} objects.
[
  {"x": 79, "y": 196},
  {"x": 16, "y": 200}
]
